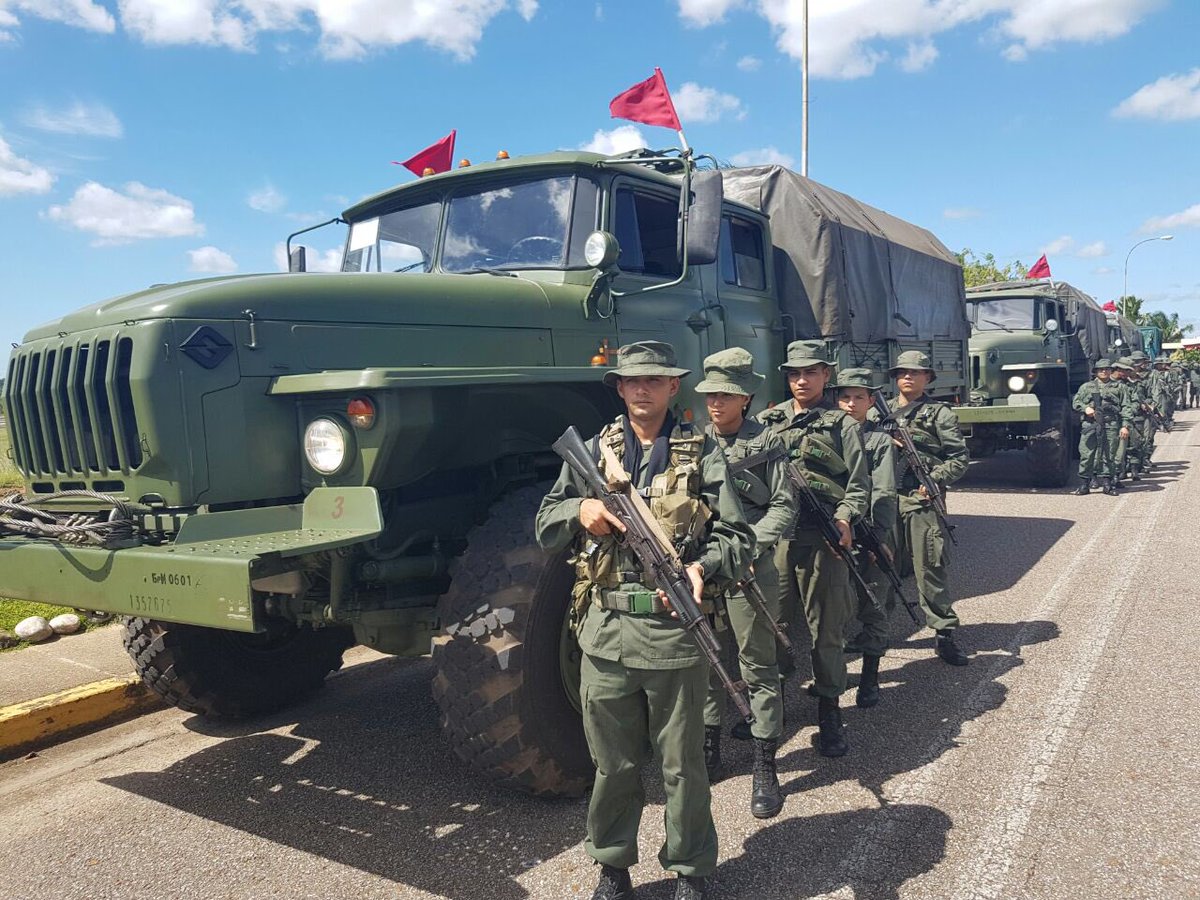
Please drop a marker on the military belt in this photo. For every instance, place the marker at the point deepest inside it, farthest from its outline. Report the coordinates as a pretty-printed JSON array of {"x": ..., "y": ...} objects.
[{"x": 636, "y": 603}]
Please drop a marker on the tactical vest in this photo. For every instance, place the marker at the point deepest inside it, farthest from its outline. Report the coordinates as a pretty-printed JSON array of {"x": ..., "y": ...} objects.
[
  {"x": 674, "y": 499},
  {"x": 922, "y": 428},
  {"x": 748, "y": 461},
  {"x": 818, "y": 452}
]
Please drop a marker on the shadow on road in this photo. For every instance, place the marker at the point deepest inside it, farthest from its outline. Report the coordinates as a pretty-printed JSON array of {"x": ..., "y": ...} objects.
[
  {"x": 995, "y": 552},
  {"x": 365, "y": 780}
]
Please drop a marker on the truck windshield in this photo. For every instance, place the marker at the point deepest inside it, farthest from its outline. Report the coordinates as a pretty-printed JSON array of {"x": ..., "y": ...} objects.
[
  {"x": 536, "y": 224},
  {"x": 1004, "y": 314}
]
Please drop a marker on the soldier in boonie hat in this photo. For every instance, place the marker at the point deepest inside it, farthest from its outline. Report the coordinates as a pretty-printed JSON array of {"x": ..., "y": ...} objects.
[
  {"x": 1102, "y": 363},
  {"x": 802, "y": 354},
  {"x": 913, "y": 360},
  {"x": 863, "y": 378},
  {"x": 1123, "y": 364},
  {"x": 730, "y": 372},
  {"x": 645, "y": 358}
]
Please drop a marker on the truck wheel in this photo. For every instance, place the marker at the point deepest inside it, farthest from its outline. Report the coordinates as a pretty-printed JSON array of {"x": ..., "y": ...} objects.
[
  {"x": 507, "y": 679},
  {"x": 228, "y": 674},
  {"x": 1049, "y": 452}
]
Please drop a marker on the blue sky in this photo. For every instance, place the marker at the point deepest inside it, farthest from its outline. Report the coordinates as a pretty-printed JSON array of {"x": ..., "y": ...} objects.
[{"x": 147, "y": 141}]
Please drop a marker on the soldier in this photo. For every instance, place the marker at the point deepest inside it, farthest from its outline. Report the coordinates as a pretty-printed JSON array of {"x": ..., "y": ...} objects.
[
  {"x": 1194, "y": 377},
  {"x": 827, "y": 445},
  {"x": 1128, "y": 448},
  {"x": 643, "y": 680},
  {"x": 854, "y": 398},
  {"x": 755, "y": 458},
  {"x": 935, "y": 432},
  {"x": 1098, "y": 446}
]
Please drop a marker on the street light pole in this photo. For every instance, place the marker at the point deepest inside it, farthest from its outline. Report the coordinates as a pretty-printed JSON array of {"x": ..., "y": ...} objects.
[
  {"x": 1125, "y": 292},
  {"x": 804, "y": 94}
]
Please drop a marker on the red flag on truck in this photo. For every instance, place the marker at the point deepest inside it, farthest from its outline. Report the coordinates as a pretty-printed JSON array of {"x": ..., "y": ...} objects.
[
  {"x": 1041, "y": 269},
  {"x": 648, "y": 102},
  {"x": 438, "y": 156},
  {"x": 1110, "y": 306}
]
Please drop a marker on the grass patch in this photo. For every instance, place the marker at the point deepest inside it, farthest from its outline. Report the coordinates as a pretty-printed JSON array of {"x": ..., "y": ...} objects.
[
  {"x": 13, "y": 611},
  {"x": 9, "y": 476}
]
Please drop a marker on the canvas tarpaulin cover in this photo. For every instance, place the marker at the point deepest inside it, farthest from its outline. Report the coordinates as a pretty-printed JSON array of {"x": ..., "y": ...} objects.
[
  {"x": 1089, "y": 321},
  {"x": 847, "y": 271}
]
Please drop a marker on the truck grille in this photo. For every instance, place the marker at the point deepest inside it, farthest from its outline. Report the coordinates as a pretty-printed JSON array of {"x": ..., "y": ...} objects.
[{"x": 70, "y": 408}]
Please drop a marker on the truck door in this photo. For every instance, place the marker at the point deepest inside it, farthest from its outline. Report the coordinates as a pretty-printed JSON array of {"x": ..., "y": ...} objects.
[{"x": 645, "y": 221}]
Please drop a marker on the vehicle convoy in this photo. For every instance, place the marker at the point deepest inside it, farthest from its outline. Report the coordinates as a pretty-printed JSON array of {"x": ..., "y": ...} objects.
[
  {"x": 261, "y": 471},
  {"x": 1033, "y": 343}
]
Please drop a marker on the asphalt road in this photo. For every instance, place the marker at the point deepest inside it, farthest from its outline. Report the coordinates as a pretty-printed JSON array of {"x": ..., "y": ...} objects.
[{"x": 1064, "y": 762}]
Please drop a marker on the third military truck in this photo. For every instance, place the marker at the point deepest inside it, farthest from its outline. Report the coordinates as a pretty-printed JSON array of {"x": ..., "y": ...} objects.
[
  {"x": 260, "y": 471},
  {"x": 1033, "y": 343}
]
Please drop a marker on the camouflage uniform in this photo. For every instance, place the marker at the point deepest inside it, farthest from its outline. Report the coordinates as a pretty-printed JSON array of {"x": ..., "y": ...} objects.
[
  {"x": 1099, "y": 447},
  {"x": 935, "y": 432},
  {"x": 827, "y": 445},
  {"x": 643, "y": 680},
  {"x": 755, "y": 459}
]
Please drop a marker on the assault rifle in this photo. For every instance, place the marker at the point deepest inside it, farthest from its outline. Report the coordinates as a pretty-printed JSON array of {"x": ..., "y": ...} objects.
[
  {"x": 811, "y": 504},
  {"x": 749, "y": 587},
  {"x": 869, "y": 541},
  {"x": 933, "y": 491},
  {"x": 654, "y": 551}
]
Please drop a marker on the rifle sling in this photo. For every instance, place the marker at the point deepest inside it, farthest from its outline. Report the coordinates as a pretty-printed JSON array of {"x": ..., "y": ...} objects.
[{"x": 749, "y": 462}]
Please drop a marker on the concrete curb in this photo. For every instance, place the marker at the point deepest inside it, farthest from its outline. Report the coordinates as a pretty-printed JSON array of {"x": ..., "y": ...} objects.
[{"x": 57, "y": 717}]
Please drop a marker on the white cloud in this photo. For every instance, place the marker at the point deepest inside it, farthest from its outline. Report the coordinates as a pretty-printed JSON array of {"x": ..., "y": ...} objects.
[
  {"x": 78, "y": 13},
  {"x": 1104, "y": 270},
  {"x": 1188, "y": 218},
  {"x": 852, "y": 39},
  {"x": 749, "y": 63},
  {"x": 212, "y": 261},
  {"x": 961, "y": 212},
  {"x": 1173, "y": 98},
  {"x": 764, "y": 156},
  {"x": 316, "y": 260},
  {"x": 1093, "y": 250},
  {"x": 704, "y": 104},
  {"x": 348, "y": 29},
  {"x": 1059, "y": 245},
  {"x": 19, "y": 175},
  {"x": 91, "y": 119},
  {"x": 267, "y": 199},
  {"x": 617, "y": 140},
  {"x": 117, "y": 217}
]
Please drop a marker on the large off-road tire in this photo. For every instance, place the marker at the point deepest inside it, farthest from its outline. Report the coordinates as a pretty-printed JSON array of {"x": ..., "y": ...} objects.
[
  {"x": 506, "y": 668},
  {"x": 228, "y": 674},
  {"x": 1049, "y": 452}
]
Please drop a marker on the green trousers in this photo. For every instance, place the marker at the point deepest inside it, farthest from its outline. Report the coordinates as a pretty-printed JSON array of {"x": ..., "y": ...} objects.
[
  {"x": 626, "y": 713},
  {"x": 813, "y": 580},
  {"x": 756, "y": 656},
  {"x": 873, "y": 638},
  {"x": 1098, "y": 453},
  {"x": 929, "y": 548}
]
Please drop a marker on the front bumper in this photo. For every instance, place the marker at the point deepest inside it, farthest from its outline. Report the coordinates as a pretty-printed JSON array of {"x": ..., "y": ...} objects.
[
  {"x": 205, "y": 576},
  {"x": 1015, "y": 408}
]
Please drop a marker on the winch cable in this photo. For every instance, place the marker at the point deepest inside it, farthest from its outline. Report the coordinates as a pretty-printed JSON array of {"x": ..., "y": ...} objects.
[{"x": 20, "y": 515}]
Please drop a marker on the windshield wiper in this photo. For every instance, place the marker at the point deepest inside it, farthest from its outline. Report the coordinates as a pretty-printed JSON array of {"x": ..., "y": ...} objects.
[
  {"x": 486, "y": 271},
  {"x": 998, "y": 324}
]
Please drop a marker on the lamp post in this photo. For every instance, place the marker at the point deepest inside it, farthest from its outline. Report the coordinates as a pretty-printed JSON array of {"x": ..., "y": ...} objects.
[
  {"x": 1125, "y": 292},
  {"x": 804, "y": 96}
]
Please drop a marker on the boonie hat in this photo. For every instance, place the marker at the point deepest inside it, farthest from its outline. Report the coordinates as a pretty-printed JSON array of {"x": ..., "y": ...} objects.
[
  {"x": 802, "y": 354},
  {"x": 644, "y": 358},
  {"x": 730, "y": 371},
  {"x": 856, "y": 378},
  {"x": 1137, "y": 356},
  {"x": 1102, "y": 363},
  {"x": 914, "y": 360},
  {"x": 1126, "y": 363}
]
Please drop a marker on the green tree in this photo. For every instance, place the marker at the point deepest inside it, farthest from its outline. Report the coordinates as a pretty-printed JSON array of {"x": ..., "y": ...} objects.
[
  {"x": 1131, "y": 308},
  {"x": 1172, "y": 330},
  {"x": 984, "y": 269}
]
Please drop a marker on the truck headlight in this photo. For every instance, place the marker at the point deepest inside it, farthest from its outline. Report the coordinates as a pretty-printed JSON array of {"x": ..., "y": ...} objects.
[
  {"x": 1016, "y": 384},
  {"x": 325, "y": 446}
]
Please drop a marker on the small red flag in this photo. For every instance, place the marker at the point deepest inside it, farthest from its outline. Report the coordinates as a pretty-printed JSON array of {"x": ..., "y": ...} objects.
[
  {"x": 648, "y": 102},
  {"x": 1110, "y": 306},
  {"x": 438, "y": 156},
  {"x": 1041, "y": 269}
]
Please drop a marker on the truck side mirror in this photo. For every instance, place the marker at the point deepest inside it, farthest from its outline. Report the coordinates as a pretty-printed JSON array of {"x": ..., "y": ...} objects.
[
  {"x": 704, "y": 217},
  {"x": 298, "y": 260}
]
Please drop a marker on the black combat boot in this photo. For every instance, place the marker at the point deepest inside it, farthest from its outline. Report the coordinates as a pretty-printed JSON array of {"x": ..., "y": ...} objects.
[
  {"x": 948, "y": 650},
  {"x": 614, "y": 884},
  {"x": 1084, "y": 488},
  {"x": 690, "y": 887},
  {"x": 712, "y": 753},
  {"x": 1110, "y": 488},
  {"x": 831, "y": 741},
  {"x": 868, "y": 682},
  {"x": 765, "y": 798}
]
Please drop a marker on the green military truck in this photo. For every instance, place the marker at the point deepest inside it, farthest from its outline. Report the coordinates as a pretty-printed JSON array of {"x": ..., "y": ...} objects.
[
  {"x": 1033, "y": 343},
  {"x": 1123, "y": 336},
  {"x": 260, "y": 471}
]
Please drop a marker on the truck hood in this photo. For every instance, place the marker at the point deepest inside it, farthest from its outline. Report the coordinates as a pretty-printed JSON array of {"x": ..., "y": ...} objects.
[
  {"x": 1012, "y": 347},
  {"x": 382, "y": 298}
]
